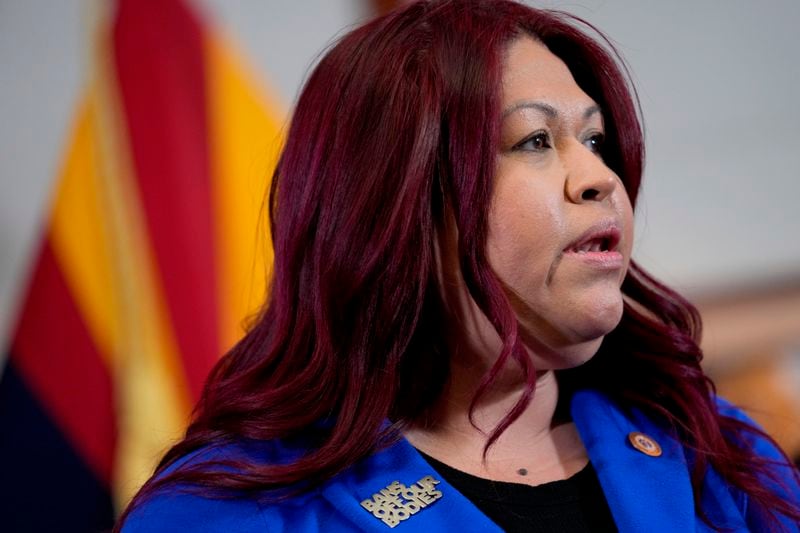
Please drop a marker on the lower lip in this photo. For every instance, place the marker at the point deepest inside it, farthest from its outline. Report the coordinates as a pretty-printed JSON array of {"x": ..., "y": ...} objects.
[{"x": 604, "y": 260}]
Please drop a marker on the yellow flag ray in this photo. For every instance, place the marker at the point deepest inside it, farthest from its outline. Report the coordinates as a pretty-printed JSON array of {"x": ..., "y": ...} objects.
[
  {"x": 80, "y": 238},
  {"x": 245, "y": 140},
  {"x": 245, "y": 129},
  {"x": 151, "y": 390}
]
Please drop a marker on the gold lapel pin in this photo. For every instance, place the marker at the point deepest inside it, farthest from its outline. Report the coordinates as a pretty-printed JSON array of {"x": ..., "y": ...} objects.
[{"x": 644, "y": 444}]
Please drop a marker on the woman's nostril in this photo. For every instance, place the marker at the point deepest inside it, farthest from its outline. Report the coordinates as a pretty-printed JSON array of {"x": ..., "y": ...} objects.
[{"x": 589, "y": 194}]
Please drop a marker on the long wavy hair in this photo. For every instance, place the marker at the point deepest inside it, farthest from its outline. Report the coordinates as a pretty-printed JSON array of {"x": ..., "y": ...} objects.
[{"x": 397, "y": 126}]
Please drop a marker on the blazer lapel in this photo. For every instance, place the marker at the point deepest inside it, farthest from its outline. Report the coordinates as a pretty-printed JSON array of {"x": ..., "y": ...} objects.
[
  {"x": 400, "y": 491},
  {"x": 645, "y": 492}
]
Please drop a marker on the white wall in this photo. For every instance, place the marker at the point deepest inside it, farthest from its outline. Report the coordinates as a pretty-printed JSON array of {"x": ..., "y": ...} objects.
[
  {"x": 719, "y": 88},
  {"x": 41, "y": 71},
  {"x": 718, "y": 83}
]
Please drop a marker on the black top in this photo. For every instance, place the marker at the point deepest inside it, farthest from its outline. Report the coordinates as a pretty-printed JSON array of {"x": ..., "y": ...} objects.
[{"x": 576, "y": 504}]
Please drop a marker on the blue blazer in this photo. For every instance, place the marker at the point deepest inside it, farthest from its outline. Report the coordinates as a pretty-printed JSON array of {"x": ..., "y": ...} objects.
[{"x": 397, "y": 490}]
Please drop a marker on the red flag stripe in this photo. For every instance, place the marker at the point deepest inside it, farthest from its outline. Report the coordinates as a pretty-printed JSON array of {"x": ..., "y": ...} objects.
[
  {"x": 75, "y": 390},
  {"x": 158, "y": 52}
]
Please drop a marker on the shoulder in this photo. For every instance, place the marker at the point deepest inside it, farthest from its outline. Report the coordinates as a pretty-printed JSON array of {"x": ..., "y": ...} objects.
[
  {"x": 188, "y": 509},
  {"x": 755, "y": 438},
  {"x": 361, "y": 497},
  {"x": 781, "y": 477},
  {"x": 175, "y": 510}
]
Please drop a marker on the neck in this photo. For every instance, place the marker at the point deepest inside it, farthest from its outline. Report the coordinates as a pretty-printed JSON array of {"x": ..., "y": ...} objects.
[
  {"x": 532, "y": 450},
  {"x": 492, "y": 408}
]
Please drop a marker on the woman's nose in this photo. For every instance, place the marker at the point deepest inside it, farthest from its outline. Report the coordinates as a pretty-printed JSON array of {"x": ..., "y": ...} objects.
[{"x": 588, "y": 178}]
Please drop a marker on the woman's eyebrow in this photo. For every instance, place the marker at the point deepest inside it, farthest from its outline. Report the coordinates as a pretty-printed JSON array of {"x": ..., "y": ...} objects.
[
  {"x": 591, "y": 110},
  {"x": 548, "y": 110}
]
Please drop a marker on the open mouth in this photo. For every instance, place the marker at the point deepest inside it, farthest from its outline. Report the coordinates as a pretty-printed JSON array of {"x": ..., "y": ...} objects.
[{"x": 606, "y": 240}]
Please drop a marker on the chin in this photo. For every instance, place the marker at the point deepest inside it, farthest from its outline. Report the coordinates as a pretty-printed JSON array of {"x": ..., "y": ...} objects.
[
  {"x": 561, "y": 354},
  {"x": 595, "y": 319},
  {"x": 576, "y": 354},
  {"x": 577, "y": 339}
]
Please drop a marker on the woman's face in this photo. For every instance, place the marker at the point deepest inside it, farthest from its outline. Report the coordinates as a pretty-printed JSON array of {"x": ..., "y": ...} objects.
[{"x": 561, "y": 223}]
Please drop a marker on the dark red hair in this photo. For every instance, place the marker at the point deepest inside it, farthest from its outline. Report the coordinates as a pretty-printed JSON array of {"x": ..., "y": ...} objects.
[{"x": 398, "y": 125}]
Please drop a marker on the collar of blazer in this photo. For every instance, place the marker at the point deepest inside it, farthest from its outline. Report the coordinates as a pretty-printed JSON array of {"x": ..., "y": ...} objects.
[{"x": 645, "y": 492}]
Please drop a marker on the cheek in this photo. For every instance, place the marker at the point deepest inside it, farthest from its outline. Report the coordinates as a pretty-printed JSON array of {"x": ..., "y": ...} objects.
[
  {"x": 524, "y": 231},
  {"x": 626, "y": 215}
]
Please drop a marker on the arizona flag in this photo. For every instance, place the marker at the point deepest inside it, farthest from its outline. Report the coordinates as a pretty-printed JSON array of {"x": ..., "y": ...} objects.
[{"x": 153, "y": 256}]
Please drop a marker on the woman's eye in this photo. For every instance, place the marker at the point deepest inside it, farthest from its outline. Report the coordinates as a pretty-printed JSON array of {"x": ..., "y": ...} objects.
[
  {"x": 595, "y": 143},
  {"x": 537, "y": 142}
]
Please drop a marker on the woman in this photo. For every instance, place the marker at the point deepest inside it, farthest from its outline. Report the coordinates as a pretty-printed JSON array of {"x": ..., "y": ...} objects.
[{"x": 456, "y": 337}]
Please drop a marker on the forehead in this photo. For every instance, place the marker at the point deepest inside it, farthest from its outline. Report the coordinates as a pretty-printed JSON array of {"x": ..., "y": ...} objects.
[{"x": 532, "y": 72}]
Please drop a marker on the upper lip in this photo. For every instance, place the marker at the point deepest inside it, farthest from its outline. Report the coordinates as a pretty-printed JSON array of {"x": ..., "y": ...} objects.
[{"x": 606, "y": 231}]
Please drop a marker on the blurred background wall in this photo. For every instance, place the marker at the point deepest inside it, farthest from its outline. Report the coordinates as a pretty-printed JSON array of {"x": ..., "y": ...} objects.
[
  {"x": 718, "y": 218},
  {"x": 717, "y": 84}
]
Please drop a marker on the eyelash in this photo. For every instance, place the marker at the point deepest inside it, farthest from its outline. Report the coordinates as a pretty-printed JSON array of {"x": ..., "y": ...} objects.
[
  {"x": 598, "y": 140},
  {"x": 542, "y": 136},
  {"x": 593, "y": 142}
]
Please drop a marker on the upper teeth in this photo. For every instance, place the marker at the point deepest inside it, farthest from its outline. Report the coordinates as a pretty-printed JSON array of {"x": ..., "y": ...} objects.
[{"x": 594, "y": 245}]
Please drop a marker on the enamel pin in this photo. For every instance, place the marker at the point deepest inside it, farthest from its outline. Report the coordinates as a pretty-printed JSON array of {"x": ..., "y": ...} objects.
[
  {"x": 398, "y": 502},
  {"x": 644, "y": 444}
]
